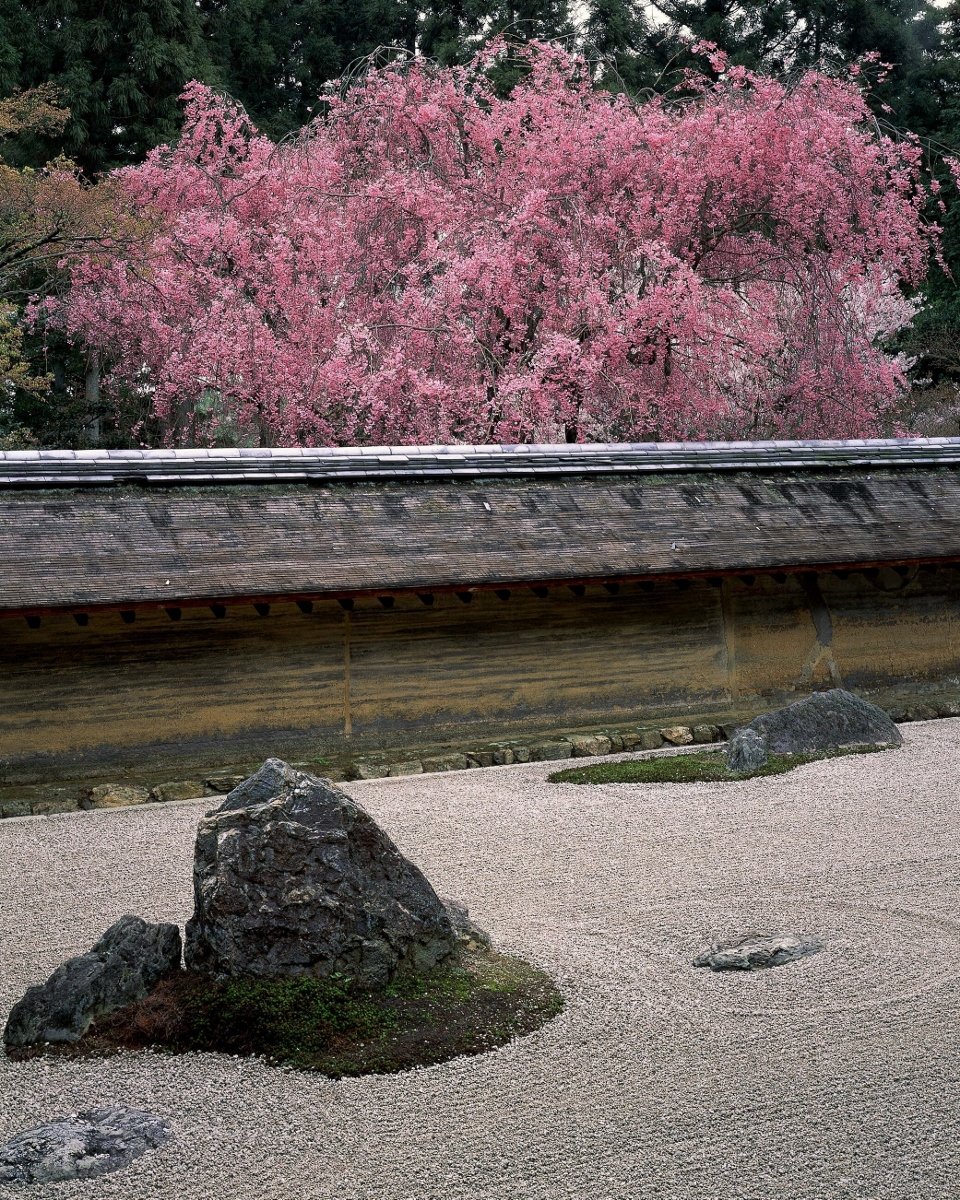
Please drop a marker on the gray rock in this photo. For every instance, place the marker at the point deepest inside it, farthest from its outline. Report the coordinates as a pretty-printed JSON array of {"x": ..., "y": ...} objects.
[
  {"x": 746, "y": 751},
  {"x": 650, "y": 739},
  {"x": 704, "y": 734},
  {"x": 826, "y": 721},
  {"x": 754, "y": 951},
  {"x": 308, "y": 884},
  {"x": 123, "y": 966},
  {"x": 482, "y": 758},
  {"x": 678, "y": 735},
  {"x": 502, "y": 756},
  {"x": 521, "y": 754},
  {"x": 468, "y": 933},
  {"x": 81, "y": 1146}
]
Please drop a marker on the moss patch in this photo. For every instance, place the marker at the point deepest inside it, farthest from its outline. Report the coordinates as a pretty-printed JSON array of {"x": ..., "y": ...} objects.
[
  {"x": 705, "y": 766},
  {"x": 327, "y": 1025}
]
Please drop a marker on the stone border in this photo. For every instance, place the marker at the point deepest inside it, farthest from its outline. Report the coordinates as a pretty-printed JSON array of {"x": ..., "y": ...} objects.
[{"x": 591, "y": 744}]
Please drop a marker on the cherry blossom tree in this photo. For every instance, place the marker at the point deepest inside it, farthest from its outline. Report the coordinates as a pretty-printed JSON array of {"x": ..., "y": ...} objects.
[{"x": 431, "y": 262}]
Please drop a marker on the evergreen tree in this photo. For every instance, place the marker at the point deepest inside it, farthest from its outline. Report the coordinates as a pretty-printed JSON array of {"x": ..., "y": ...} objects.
[
  {"x": 118, "y": 67},
  {"x": 274, "y": 56}
]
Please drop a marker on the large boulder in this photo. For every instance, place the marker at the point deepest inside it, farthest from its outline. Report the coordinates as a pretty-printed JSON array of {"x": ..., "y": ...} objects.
[
  {"x": 123, "y": 966},
  {"x": 304, "y": 882},
  {"x": 824, "y": 721},
  {"x": 81, "y": 1146}
]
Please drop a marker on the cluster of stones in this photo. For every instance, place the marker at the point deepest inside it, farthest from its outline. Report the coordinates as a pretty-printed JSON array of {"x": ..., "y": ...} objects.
[
  {"x": 495, "y": 754},
  {"x": 570, "y": 745},
  {"x": 291, "y": 877}
]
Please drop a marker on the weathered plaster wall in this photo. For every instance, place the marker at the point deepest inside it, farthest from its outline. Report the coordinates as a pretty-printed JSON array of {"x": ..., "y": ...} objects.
[{"x": 203, "y": 690}]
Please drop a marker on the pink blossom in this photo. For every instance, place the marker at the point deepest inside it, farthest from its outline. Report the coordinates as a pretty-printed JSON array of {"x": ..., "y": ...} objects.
[{"x": 430, "y": 262}]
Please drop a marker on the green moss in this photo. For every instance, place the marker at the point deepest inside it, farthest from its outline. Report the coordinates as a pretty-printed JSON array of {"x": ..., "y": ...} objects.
[
  {"x": 705, "y": 766},
  {"x": 475, "y": 1003}
]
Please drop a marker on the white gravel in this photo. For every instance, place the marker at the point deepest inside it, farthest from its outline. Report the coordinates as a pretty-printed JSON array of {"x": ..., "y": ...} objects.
[{"x": 835, "y": 1077}]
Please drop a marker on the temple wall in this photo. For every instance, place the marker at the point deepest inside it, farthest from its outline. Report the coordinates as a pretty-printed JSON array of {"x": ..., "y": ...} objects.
[{"x": 204, "y": 690}]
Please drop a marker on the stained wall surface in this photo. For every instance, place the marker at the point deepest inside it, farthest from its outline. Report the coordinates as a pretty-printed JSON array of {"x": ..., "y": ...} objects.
[{"x": 204, "y": 690}]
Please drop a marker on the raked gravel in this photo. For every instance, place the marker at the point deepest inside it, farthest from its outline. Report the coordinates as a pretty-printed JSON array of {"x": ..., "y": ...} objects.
[{"x": 832, "y": 1078}]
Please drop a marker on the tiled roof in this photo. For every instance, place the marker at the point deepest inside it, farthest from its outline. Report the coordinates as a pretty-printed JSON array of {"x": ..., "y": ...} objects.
[
  {"x": 101, "y": 468},
  {"x": 422, "y": 519}
]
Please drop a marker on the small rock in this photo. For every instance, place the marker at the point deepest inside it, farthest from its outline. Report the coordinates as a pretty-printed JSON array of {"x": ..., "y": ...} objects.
[
  {"x": 521, "y": 754},
  {"x": 632, "y": 739},
  {"x": 114, "y": 795},
  {"x": 703, "y": 734},
  {"x": 678, "y": 735},
  {"x": 412, "y": 766},
  {"x": 617, "y": 744},
  {"x": 219, "y": 785},
  {"x": 81, "y": 1146},
  {"x": 587, "y": 745},
  {"x": 445, "y": 762},
  {"x": 123, "y": 966},
  {"x": 187, "y": 789},
  {"x": 650, "y": 739},
  {"x": 921, "y": 712},
  {"x": 54, "y": 804},
  {"x": 549, "y": 751},
  {"x": 482, "y": 758},
  {"x": 15, "y": 808},
  {"x": 746, "y": 752},
  {"x": 369, "y": 770},
  {"x": 469, "y": 935},
  {"x": 754, "y": 951},
  {"x": 502, "y": 756},
  {"x": 948, "y": 708}
]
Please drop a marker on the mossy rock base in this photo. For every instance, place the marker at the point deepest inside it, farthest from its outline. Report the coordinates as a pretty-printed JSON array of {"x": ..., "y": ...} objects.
[
  {"x": 706, "y": 766},
  {"x": 479, "y": 1002}
]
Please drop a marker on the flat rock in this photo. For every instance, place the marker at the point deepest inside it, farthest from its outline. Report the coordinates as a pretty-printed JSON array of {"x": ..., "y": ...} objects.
[
  {"x": 590, "y": 745},
  {"x": 123, "y": 966},
  {"x": 678, "y": 735},
  {"x": 755, "y": 951},
  {"x": 306, "y": 883},
  {"x": 81, "y": 1146},
  {"x": 184, "y": 789},
  {"x": 550, "y": 751},
  {"x": 114, "y": 795}
]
